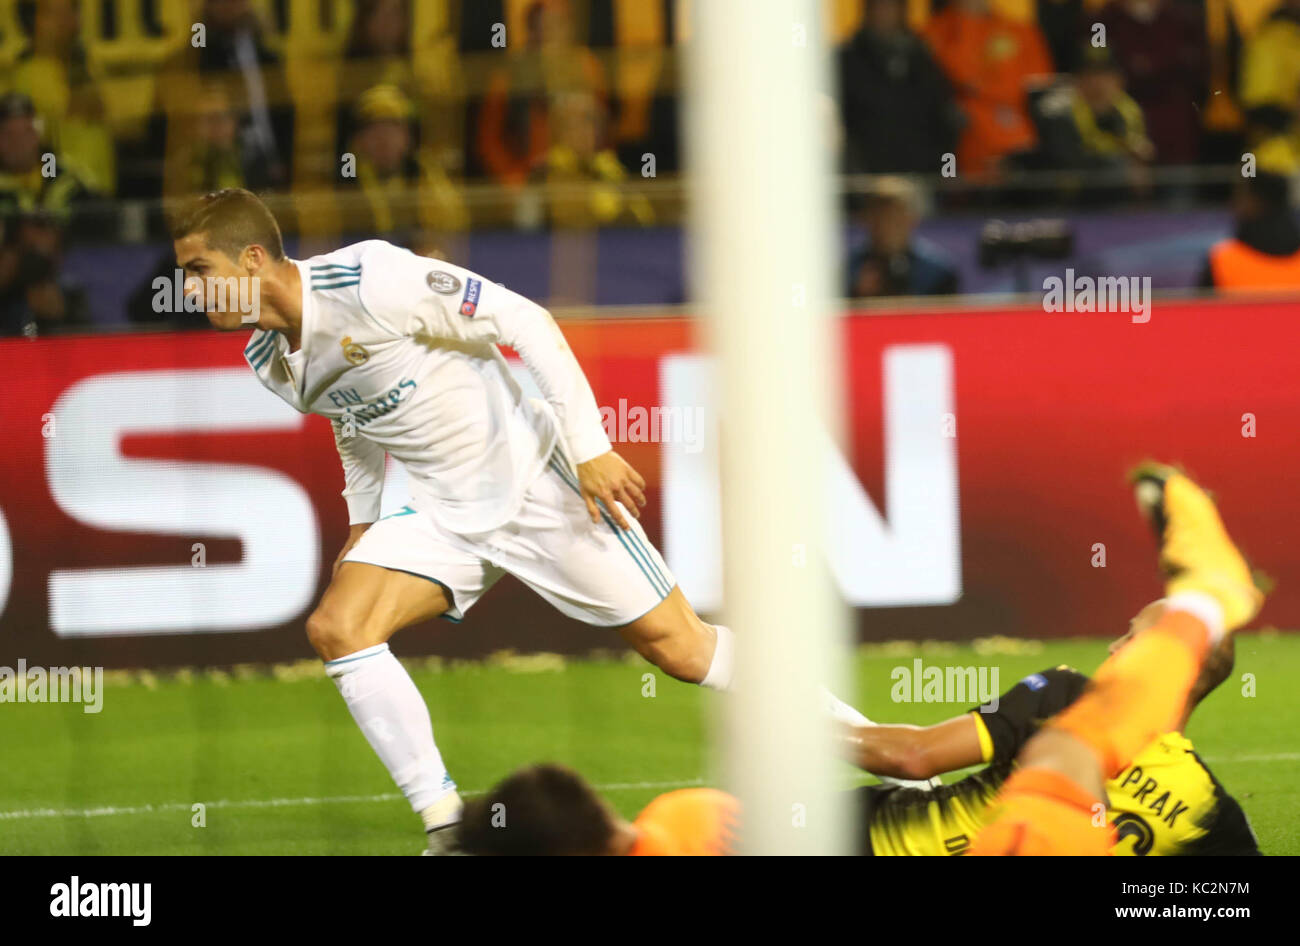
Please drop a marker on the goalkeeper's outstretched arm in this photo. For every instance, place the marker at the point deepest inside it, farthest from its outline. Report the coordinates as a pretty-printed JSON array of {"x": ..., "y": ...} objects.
[{"x": 913, "y": 752}]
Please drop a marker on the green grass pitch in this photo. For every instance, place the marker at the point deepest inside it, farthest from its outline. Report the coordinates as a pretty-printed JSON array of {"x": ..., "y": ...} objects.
[{"x": 282, "y": 769}]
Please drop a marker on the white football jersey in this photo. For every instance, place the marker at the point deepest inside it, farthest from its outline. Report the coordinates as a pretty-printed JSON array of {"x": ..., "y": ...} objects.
[{"x": 405, "y": 346}]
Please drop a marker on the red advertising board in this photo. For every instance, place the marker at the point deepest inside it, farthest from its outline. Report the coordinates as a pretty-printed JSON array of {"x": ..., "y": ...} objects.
[{"x": 160, "y": 508}]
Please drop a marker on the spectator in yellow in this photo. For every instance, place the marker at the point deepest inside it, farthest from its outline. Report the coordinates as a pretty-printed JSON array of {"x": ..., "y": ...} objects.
[
  {"x": 585, "y": 181},
  {"x": 396, "y": 187},
  {"x": 234, "y": 53},
  {"x": 32, "y": 177},
  {"x": 1091, "y": 122},
  {"x": 1270, "y": 73},
  {"x": 51, "y": 70},
  {"x": 1281, "y": 151},
  {"x": 379, "y": 45},
  {"x": 209, "y": 156},
  {"x": 1109, "y": 121}
]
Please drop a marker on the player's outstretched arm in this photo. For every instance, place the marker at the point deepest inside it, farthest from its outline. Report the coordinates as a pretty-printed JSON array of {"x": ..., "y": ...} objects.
[
  {"x": 914, "y": 752},
  {"x": 994, "y": 732}
]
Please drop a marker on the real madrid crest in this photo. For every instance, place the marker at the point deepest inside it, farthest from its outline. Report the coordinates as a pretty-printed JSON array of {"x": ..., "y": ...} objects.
[
  {"x": 445, "y": 283},
  {"x": 354, "y": 353}
]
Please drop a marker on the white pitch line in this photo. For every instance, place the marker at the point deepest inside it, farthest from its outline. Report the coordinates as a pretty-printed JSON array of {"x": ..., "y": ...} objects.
[
  {"x": 1273, "y": 757},
  {"x": 107, "y": 810}
]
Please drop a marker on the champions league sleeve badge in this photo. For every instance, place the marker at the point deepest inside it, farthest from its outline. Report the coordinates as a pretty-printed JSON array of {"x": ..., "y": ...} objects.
[{"x": 469, "y": 304}]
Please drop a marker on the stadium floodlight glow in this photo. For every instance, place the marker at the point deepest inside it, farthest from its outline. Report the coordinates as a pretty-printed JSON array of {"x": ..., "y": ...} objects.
[{"x": 760, "y": 164}]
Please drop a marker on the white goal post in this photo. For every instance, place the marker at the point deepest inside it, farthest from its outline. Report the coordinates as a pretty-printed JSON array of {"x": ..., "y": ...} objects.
[{"x": 763, "y": 253}]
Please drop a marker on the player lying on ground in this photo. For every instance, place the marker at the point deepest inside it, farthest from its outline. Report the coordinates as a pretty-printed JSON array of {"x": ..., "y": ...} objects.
[
  {"x": 400, "y": 353},
  {"x": 1047, "y": 806},
  {"x": 1166, "y": 802},
  {"x": 1206, "y": 569}
]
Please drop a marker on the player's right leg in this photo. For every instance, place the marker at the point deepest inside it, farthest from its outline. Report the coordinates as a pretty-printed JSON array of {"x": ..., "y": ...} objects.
[
  {"x": 1050, "y": 804},
  {"x": 366, "y": 604},
  {"x": 402, "y": 571},
  {"x": 613, "y": 577}
]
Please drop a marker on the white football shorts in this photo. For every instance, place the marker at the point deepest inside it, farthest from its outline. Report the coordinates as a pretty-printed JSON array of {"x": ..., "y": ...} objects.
[{"x": 599, "y": 574}]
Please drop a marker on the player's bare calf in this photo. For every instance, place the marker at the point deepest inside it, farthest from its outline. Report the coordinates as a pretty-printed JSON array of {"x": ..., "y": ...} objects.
[{"x": 674, "y": 639}]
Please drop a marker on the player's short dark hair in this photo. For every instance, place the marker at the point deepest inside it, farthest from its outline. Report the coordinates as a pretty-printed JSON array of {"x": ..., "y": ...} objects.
[
  {"x": 538, "y": 811},
  {"x": 231, "y": 220},
  {"x": 1217, "y": 668}
]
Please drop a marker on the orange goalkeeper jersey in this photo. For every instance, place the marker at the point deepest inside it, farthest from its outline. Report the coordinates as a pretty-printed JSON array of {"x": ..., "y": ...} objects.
[{"x": 689, "y": 822}]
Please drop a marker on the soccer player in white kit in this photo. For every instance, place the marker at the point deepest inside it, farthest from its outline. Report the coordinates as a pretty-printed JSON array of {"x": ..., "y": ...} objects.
[{"x": 399, "y": 352}]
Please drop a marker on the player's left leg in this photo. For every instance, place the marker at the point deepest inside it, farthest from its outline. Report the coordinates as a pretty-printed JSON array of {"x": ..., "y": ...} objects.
[
  {"x": 1139, "y": 691},
  {"x": 614, "y": 577},
  {"x": 674, "y": 638},
  {"x": 1055, "y": 802},
  {"x": 610, "y": 577}
]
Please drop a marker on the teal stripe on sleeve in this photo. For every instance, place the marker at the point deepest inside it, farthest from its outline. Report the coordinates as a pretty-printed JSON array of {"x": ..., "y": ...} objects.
[
  {"x": 265, "y": 346},
  {"x": 264, "y": 357}
]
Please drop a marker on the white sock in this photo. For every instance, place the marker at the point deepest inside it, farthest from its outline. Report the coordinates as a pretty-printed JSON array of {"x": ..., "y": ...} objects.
[
  {"x": 387, "y": 706},
  {"x": 446, "y": 810},
  {"x": 1201, "y": 606},
  {"x": 723, "y": 663}
]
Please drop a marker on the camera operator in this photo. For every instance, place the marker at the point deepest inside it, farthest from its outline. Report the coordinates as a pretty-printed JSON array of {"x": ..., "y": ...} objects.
[{"x": 896, "y": 262}]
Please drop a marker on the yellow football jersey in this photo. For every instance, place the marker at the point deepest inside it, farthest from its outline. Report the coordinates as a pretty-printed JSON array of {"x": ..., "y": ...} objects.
[{"x": 1166, "y": 803}]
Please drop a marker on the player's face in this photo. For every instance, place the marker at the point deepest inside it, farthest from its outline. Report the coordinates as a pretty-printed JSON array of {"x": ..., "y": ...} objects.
[{"x": 204, "y": 265}]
